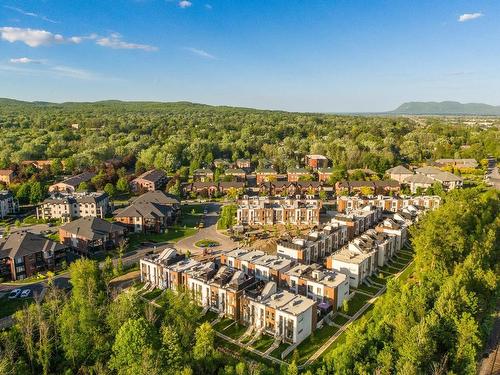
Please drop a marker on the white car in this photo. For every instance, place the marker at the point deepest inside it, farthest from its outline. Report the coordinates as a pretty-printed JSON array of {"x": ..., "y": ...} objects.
[
  {"x": 26, "y": 293},
  {"x": 14, "y": 293}
]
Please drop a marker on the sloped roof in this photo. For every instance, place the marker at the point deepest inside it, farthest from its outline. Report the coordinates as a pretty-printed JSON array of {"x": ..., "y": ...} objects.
[
  {"x": 145, "y": 209},
  {"x": 446, "y": 177},
  {"x": 78, "y": 179},
  {"x": 428, "y": 170},
  {"x": 91, "y": 228},
  {"x": 398, "y": 170},
  {"x": 235, "y": 171},
  {"x": 419, "y": 179},
  {"x": 23, "y": 243},
  {"x": 157, "y": 196},
  {"x": 153, "y": 175}
]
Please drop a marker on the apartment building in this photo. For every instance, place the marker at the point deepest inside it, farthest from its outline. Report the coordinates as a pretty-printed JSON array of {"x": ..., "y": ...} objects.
[
  {"x": 24, "y": 254},
  {"x": 70, "y": 184},
  {"x": 387, "y": 203},
  {"x": 265, "y": 175},
  {"x": 315, "y": 246},
  {"x": 284, "y": 315},
  {"x": 8, "y": 204},
  {"x": 277, "y": 210},
  {"x": 316, "y": 161},
  {"x": 70, "y": 206},
  {"x": 357, "y": 221},
  {"x": 328, "y": 288},
  {"x": 151, "y": 180},
  {"x": 357, "y": 260},
  {"x": 399, "y": 230},
  {"x": 296, "y": 174},
  {"x": 256, "y": 263},
  {"x": 153, "y": 267},
  {"x": 7, "y": 176}
]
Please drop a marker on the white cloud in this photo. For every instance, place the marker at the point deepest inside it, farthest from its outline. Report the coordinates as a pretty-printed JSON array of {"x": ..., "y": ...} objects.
[
  {"x": 185, "y": 4},
  {"x": 24, "y": 60},
  {"x": 57, "y": 71},
  {"x": 33, "y": 37},
  {"x": 208, "y": 6},
  {"x": 200, "y": 53},
  {"x": 115, "y": 41},
  {"x": 30, "y": 14},
  {"x": 469, "y": 16}
]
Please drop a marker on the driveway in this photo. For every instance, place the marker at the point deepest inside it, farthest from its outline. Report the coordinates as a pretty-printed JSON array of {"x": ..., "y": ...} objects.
[
  {"x": 209, "y": 232},
  {"x": 37, "y": 228}
]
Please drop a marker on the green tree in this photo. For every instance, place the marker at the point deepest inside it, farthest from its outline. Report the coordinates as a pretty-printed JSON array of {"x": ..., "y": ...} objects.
[
  {"x": 110, "y": 189},
  {"x": 122, "y": 185},
  {"x": 84, "y": 186},
  {"x": 204, "y": 342},
  {"x": 36, "y": 192},
  {"x": 125, "y": 306},
  {"x": 171, "y": 349},
  {"x": 135, "y": 343},
  {"x": 24, "y": 192}
]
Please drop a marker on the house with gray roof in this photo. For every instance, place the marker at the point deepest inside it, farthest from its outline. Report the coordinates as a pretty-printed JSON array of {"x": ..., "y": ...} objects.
[
  {"x": 151, "y": 180},
  {"x": 90, "y": 234},
  {"x": 24, "y": 254},
  {"x": 398, "y": 173}
]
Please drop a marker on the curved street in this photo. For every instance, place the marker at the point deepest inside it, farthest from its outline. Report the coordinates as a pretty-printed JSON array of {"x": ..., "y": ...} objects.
[{"x": 209, "y": 232}]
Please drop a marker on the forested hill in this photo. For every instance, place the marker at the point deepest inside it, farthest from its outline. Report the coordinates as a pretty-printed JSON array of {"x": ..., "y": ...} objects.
[
  {"x": 446, "y": 108},
  {"x": 179, "y": 136}
]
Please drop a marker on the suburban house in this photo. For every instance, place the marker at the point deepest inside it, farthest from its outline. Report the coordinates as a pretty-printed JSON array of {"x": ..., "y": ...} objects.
[
  {"x": 8, "y": 204},
  {"x": 154, "y": 179},
  {"x": 244, "y": 164},
  {"x": 315, "y": 246},
  {"x": 90, "y": 234},
  {"x": 151, "y": 212},
  {"x": 203, "y": 175},
  {"x": 237, "y": 174},
  {"x": 24, "y": 254},
  {"x": 316, "y": 161},
  {"x": 296, "y": 174},
  {"x": 221, "y": 163},
  {"x": 288, "y": 316},
  {"x": 265, "y": 175},
  {"x": 428, "y": 171},
  {"x": 290, "y": 189},
  {"x": 324, "y": 174},
  {"x": 6, "y": 176},
  {"x": 328, "y": 288},
  {"x": 71, "y": 184},
  {"x": 398, "y": 173},
  {"x": 69, "y": 206},
  {"x": 400, "y": 230},
  {"x": 277, "y": 210},
  {"x": 457, "y": 163}
]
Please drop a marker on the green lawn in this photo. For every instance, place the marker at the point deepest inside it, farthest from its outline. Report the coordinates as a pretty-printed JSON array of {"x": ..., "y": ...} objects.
[
  {"x": 153, "y": 294},
  {"x": 340, "y": 320},
  {"x": 276, "y": 353},
  {"x": 208, "y": 317},
  {"x": 241, "y": 353},
  {"x": 174, "y": 234},
  {"x": 191, "y": 214},
  {"x": 407, "y": 272},
  {"x": 355, "y": 303},
  {"x": 263, "y": 343},
  {"x": 222, "y": 324},
  {"x": 235, "y": 330},
  {"x": 368, "y": 289},
  {"x": 381, "y": 280},
  {"x": 311, "y": 344},
  {"x": 207, "y": 243},
  {"x": 340, "y": 340},
  {"x": 10, "y": 306}
]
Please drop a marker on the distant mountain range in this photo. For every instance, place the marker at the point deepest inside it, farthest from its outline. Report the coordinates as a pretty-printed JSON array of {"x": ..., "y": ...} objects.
[{"x": 446, "y": 108}]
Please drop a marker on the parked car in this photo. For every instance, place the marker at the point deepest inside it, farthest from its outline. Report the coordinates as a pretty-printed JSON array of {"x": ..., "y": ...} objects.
[
  {"x": 26, "y": 293},
  {"x": 14, "y": 293},
  {"x": 50, "y": 224}
]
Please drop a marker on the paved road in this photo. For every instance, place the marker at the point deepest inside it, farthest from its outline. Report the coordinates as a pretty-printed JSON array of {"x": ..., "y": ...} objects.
[{"x": 208, "y": 232}]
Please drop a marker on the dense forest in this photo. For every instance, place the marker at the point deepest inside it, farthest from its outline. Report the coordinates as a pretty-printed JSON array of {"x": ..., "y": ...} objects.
[
  {"x": 435, "y": 322},
  {"x": 172, "y": 136}
]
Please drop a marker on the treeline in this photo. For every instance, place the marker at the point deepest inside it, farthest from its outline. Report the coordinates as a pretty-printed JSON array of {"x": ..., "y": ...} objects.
[
  {"x": 181, "y": 137},
  {"x": 437, "y": 321},
  {"x": 90, "y": 331}
]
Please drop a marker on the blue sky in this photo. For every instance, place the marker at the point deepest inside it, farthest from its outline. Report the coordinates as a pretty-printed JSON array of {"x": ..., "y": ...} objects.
[{"x": 308, "y": 55}]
